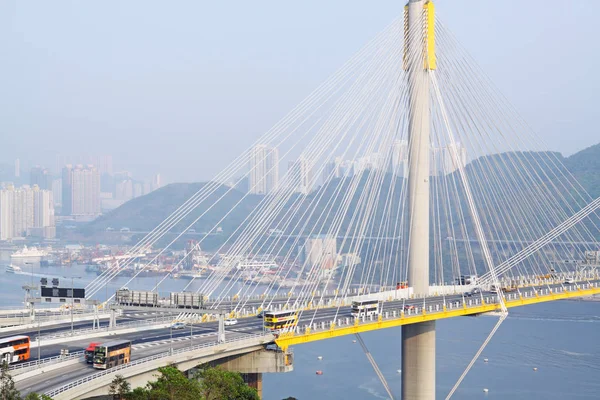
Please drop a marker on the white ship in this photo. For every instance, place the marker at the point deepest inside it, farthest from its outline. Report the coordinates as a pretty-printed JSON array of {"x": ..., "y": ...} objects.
[
  {"x": 189, "y": 275},
  {"x": 29, "y": 252},
  {"x": 12, "y": 269}
]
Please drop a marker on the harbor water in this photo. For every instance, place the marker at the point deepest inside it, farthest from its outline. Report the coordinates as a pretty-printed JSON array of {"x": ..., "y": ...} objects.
[{"x": 560, "y": 339}]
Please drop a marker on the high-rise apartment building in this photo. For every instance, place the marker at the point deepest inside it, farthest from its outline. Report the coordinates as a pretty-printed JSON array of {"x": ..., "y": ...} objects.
[
  {"x": 26, "y": 211},
  {"x": 22, "y": 211},
  {"x": 455, "y": 157},
  {"x": 6, "y": 214},
  {"x": 399, "y": 158},
  {"x": 156, "y": 183},
  {"x": 264, "y": 169},
  {"x": 446, "y": 160},
  {"x": 300, "y": 175},
  {"x": 124, "y": 190},
  {"x": 333, "y": 170},
  {"x": 105, "y": 165},
  {"x": 57, "y": 192},
  {"x": 40, "y": 176},
  {"x": 67, "y": 190},
  {"x": 321, "y": 250},
  {"x": 81, "y": 191}
]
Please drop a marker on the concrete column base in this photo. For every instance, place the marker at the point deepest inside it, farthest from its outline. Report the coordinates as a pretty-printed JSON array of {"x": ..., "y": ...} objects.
[
  {"x": 418, "y": 361},
  {"x": 254, "y": 381}
]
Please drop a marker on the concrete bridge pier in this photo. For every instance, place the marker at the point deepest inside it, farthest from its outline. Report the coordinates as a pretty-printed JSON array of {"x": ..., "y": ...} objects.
[
  {"x": 252, "y": 365},
  {"x": 418, "y": 340},
  {"x": 418, "y": 361}
]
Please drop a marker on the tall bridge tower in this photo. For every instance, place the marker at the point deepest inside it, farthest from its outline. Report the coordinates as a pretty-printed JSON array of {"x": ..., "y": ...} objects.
[{"x": 418, "y": 340}]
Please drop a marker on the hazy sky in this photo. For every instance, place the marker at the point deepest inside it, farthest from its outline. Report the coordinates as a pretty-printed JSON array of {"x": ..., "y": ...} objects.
[{"x": 182, "y": 87}]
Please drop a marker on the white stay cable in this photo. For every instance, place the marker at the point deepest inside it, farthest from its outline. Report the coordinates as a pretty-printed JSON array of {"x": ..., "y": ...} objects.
[
  {"x": 468, "y": 194},
  {"x": 478, "y": 230},
  {"x": 485, "y": 343},
  {"x": 375, "y": 366},
  {"x": 547, "y": 238}
]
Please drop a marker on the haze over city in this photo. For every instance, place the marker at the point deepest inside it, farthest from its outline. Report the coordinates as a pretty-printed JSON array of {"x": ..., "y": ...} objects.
[
  {"x": 174, "y": 89},
  {"x": 299, "y": 200}
]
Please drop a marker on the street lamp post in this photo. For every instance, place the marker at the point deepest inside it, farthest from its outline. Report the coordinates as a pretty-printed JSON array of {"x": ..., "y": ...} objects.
[
  {"x": 72, "y": 299},
  {"x": 72, "y": 284},
  {"x": 39, "y": 340},
  {"x": 171, "y": 341}
]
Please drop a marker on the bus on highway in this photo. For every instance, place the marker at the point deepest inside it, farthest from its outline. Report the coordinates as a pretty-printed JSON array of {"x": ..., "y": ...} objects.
[
  {"x": 277, "y": 320},
  {"x": 14, "y": 349},
  {"x": 111, "y": 354},
  {"x": 362, "y": 308},
  {"x": 89, "y": 352}
]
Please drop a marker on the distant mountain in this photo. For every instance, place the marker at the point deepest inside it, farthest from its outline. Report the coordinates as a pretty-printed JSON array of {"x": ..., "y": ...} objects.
[
  {"x": 542, "y": 172},
  {"x": 146, "y": 212},
  {"x": 585, "y": 166}
]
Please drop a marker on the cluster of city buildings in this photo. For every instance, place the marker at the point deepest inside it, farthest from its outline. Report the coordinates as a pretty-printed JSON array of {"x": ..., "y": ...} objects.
[
  {"x": 264, "y": 166},
  {"x": 77, "y": 191},
  {"x": 26, "y": 211}
]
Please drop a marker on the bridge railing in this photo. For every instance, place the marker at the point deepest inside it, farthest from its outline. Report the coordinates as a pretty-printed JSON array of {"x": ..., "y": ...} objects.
[
  {"x": 44, "y": 316},
  {"x": 412, "y": 311},
  {"x": 45, "y": 361},
  {"x": 122, "y": 325},
  {"x": 144, "y": 360}
]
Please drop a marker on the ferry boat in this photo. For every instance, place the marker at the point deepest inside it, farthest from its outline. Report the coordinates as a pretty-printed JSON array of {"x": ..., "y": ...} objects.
[
  {"x": 188, "y": 275},
  {"x": 12, "y": 269},
  {"x": 28, "y": 252}
]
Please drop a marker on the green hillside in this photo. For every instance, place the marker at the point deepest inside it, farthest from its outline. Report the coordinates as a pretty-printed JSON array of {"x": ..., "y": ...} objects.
[
  {"x": 585, "y": 166},
  {"x": 145, "y": 213}
]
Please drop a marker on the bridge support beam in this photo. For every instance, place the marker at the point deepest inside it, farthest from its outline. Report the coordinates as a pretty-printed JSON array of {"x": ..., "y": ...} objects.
[{"x": 418, "y": 340}]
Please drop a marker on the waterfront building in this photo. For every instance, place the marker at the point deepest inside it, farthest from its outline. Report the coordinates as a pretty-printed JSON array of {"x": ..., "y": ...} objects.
[
  {"x": 26, "y": 211},
  {"x": 300, "y": 175},
  {"x": 264, "y": 169},
  {"x": 81, "y": 191}
]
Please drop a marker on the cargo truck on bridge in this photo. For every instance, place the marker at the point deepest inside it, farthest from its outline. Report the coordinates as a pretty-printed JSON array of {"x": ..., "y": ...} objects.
[{"x": 504, "y": 288}]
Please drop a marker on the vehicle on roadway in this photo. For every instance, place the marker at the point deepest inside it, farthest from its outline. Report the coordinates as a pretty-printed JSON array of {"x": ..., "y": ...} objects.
[
  {"x": 111, "y": 354},
  {"x": 178, "y": 325},
  {"x": 230, "y": 321},
  {"x": 362, "y": 308},
  {"x": 473, "y": 292},
  {"x": 570, "y": 280},
  {"x": 408, "y": 307},
  {"x": 89, "y": 352},
  {"x": 278, "y": 320},
  {"x": 14, "y": 349},
  {"x": 467, "y": 280},
  {"x": 261, "y": 314},
  {"x": 506, "y": 288}
]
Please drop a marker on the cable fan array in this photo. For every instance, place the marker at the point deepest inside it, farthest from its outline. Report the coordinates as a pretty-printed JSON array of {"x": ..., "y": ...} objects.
[{"x": 500, "y": 204}]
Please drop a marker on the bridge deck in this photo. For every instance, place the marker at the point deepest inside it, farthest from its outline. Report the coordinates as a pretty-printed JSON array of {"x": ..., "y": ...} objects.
[{"x": 309, "y": 335}]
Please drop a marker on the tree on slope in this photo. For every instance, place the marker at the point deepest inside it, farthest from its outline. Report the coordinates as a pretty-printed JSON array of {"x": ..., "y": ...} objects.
[
  {"x": 217, "y": 384},
  {"x": 8, "y": 391},
  {"x": 119, "y": 388}
]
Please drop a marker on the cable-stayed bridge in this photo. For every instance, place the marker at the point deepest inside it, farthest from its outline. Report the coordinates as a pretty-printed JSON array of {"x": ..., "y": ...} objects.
[{"x": 404, "y": 112}]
